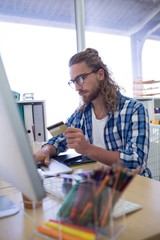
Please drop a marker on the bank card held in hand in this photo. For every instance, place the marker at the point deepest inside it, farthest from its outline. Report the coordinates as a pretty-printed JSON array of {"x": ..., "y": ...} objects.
[{"x": 57, "y": 128}]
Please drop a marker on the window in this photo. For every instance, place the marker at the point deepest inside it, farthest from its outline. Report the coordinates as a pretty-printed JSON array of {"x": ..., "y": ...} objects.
[
  {"x": 150, "y": 60},
  {"x": 116, "y": 54},
  {"x": 36, "y": 60}
]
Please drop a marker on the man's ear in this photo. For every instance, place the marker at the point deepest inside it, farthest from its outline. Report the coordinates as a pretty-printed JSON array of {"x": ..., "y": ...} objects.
[{"x": 101, "y": 74}]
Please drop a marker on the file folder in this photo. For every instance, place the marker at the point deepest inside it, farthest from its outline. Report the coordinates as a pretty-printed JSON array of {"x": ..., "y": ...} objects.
[
  {"x": 39, "y": 122},
  {"x": 21, "y": 111},
  {"x": 28, "y": 119}
]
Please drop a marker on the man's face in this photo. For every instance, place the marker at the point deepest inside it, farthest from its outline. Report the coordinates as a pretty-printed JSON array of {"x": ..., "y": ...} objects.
[{"x": 89, "y": 90}]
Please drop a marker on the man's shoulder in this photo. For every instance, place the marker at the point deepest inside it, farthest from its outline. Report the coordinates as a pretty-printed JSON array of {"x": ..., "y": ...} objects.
[{"x": 129, "y": 101}]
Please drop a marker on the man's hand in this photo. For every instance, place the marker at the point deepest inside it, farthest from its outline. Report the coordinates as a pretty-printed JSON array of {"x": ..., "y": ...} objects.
[
  {"x": 76, "y": 140},
  {"x": 44, "y": 154}
]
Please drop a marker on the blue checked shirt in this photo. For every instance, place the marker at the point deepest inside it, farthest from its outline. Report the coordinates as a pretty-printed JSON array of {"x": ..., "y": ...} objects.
[{"x": 126, "y": 131}]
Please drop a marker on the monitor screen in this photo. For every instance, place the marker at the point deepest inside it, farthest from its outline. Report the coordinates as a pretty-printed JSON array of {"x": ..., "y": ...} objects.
[{"x": 17, "y": 165}]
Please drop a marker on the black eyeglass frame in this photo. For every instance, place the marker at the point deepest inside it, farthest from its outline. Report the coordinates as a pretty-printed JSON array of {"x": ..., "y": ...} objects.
[{"x": 79, "y": 79}]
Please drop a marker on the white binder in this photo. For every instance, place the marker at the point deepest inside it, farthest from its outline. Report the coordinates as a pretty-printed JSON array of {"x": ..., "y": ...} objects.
[
  {"x": 28, "y": 120},
  {"x": 39, "y": 122}
]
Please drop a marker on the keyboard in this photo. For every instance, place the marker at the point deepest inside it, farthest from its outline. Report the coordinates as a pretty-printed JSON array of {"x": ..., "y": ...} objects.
[
  {"x": 53, "y": 187},
  {"x": 124, "y": 207}
]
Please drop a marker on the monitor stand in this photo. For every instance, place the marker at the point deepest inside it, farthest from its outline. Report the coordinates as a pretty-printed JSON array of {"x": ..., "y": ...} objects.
[{"x": 7, "y": 207}]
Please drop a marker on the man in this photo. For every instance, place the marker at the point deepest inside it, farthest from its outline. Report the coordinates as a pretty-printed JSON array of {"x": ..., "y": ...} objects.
[{"x": 107, "y": 126}]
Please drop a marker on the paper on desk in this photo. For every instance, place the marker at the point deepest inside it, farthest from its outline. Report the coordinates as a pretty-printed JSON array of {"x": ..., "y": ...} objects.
[{"x": 54, "y": 169}]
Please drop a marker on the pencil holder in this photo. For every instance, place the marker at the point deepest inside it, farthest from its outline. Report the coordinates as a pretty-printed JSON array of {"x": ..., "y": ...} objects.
[{"x": 90, "y": 205}]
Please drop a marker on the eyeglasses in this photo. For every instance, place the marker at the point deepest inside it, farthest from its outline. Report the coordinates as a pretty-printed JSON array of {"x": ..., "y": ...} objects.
[{"x": 79, "y": 80}]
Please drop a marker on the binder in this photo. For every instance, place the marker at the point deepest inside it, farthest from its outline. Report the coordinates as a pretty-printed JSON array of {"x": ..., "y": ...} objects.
[
  {"x": 39, "y": 122},
  {"x": 28, "y": 120},
  {"x": 21, "y": 111}
]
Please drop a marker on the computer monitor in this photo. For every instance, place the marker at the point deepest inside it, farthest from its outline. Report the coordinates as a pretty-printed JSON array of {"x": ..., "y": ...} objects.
[{"x": 17, "y": 165}]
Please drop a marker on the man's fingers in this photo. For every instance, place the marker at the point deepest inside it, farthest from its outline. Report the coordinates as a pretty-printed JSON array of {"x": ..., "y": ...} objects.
[
  {"x": 72, "y": 130},
  {"x": 47, "y": 160}
]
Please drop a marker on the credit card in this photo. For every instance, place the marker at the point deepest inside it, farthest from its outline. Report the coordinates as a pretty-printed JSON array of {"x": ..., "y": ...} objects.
[{"x": 57, "y": 128}]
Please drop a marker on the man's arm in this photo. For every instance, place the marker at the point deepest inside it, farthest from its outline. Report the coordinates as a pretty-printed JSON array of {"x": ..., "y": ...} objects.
[{"x": 76, "y": 140}]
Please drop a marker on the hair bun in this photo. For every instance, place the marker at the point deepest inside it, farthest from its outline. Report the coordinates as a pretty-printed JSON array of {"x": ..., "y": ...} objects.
[{"x": 91, "y": 50}]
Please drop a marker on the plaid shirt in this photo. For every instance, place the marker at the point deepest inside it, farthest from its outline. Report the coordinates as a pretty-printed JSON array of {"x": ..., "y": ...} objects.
[{"x": 126, "y": 131}]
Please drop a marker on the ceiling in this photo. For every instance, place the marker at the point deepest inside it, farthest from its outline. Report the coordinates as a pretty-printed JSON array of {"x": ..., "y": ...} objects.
[{"x": 124, "y": 17}]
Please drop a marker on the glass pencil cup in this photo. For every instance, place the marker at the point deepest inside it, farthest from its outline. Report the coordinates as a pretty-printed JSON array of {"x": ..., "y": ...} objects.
[
  {"x": 89, "y": 207},
  {"x": 83, "y": 208}
]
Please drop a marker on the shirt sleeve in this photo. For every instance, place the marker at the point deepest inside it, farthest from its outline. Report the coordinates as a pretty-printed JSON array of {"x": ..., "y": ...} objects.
[{"x": 136, "y": 148}]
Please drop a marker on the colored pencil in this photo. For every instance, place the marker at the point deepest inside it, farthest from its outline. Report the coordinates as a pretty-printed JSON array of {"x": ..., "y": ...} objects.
[
  {"x": 57, "y": 234},
  {"x": 70, "y": 230}
]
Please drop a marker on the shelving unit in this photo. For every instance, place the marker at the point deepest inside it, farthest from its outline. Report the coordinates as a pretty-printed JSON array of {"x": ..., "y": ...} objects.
[
  {"x": 153, "y": 106},
  {"x": 154, "y": 152}
]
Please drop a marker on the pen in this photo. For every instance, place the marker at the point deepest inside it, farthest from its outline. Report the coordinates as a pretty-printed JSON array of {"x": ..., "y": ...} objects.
[
  {"x": 68, "y": 202},
  {"x": 84, "y": 195},
  {"x": 112, "y": 183},
  {"x": 83, "y": 215},
  {"x": 102, "y": 185}
]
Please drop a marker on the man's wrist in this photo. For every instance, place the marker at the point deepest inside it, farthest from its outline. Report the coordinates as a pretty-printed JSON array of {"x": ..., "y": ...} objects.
[{"x": 50, "y": 149}]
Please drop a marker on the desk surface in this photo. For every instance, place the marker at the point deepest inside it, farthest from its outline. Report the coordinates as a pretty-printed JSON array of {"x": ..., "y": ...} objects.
[{"x": 143, "y": 224}]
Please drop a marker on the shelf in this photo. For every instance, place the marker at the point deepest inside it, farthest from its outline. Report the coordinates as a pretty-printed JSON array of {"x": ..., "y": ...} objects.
[
  {"x": 148, "y": 88},
  {"x": 151, "y": 104}
]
